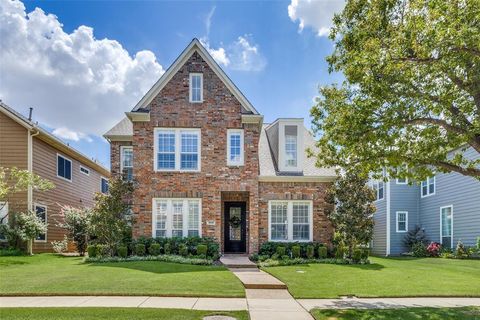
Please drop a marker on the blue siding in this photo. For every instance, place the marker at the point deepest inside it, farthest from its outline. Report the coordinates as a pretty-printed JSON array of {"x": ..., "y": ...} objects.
[{"x": 379, "y": 243}]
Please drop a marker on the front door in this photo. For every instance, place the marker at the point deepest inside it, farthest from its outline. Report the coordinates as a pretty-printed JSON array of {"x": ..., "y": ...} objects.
[{"x": 235, "y": 232}]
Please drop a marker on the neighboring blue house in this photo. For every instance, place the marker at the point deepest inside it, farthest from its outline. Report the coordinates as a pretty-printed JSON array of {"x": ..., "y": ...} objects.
[{"x": 446, "y": 206}]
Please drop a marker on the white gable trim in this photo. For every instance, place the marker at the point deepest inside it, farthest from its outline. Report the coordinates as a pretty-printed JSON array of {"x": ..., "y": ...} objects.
[{"x": 195, "y": 45}]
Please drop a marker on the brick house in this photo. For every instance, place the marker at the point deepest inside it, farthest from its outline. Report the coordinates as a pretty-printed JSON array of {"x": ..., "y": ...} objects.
[{"x": 204, "y": 163}]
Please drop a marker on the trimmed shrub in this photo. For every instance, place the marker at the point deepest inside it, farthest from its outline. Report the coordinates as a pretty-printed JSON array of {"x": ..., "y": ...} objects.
[
  {"x": 296, "y": 251},
  {"x": 478, "y": 243},
  {"x": 154, "y": 249},
  {"x": 322, "y": 252},
  {"x": 419, "y": 250},
  {"x": 183, "y": 250},
  {"x": 92, "y": 251},
  {"x": 434, "y": 249},
  {"x": 310, "y": 252},
  {"x": 461, "y": 251},
  {"x": 339, "y": 252},
  {"x": 167, "y": 248},
  {"x": 365, "y": 254},
  {"x": 140, "y": 249},
  {"x": 202, "y": 250},
  {"x": 357, "y": 255},
  {"x": 122, "y": 251},
  {"x": 281, "y": 251}
]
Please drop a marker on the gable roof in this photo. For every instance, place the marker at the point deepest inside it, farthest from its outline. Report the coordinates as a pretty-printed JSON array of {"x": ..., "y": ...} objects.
[
  {"x": 194, "y": 46},
  {"x": 122, "y": 131},
  {"x": 52, "y": 140}
]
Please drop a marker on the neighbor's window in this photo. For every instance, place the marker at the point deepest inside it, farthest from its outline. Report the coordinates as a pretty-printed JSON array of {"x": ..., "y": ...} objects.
[
  {"x": 290, "y": 146},
  {"x": 41, "y": 212},
  {"x": 126, "y": 162},
  {"x": 402, "y": 181},
  {"x": 196, "y": 87},
  {"x": 235, "y": 147},
  {"x": 402, "y": 221},
  {"x": 379, "y": 188},
  {"x": 290, "y": 220},
  {"x": 446, "y": 222},
  {"x": 177, "y": 149},
  {"x": 64, "y": 168},
  {"x": 3, "y": 218},
  {"x": 104, "y": 185},
  {"x": 428, "y": 186},
  {"x": 176, "y": 217},
  {"x": 84, "y": 170}
]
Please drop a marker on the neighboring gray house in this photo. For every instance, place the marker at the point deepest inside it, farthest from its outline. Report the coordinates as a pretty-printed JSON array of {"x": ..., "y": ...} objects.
[{"x": 446, "y": 206}]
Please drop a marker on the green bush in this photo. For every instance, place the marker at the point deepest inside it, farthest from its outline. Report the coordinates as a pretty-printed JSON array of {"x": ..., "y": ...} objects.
[
  {"x": 310, "y": 252},
  {"x": 296, "y": 251},
  {"x": 365, "y": 254},
  {"x": 357, "y": 255},
  {"x": 122, "y": 251},
  {"x": 478, "y": 243},
  {"x": 140, "y": 249},
  {"x": 461, "y": 252},
  {"x": 281, "y": 251},
  {"x": 322, "y": 252},
  {"x": 154, "y": 249},
  {"x": 167, "y": 248},
  {"x": 10, "y": 252},
  {"x": 183, "y": 250},
  {"x": 419, "y": 250},
  {"x": 92, "y": 251},
  {"x": 202, "y": 250},
  {"x": 339, "y": 252}
]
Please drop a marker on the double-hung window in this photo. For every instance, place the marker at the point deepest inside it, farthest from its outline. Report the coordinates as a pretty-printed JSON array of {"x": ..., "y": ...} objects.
[
  {"x": 64, "y": 168},
  {"x": 379, "y": 188},
  {"x": 290, "y": 220},
  {"x": 402, "y": 221},
  {"x": 176, "y": 217},
  {"x": 41, "y": 212},
  {"x": 196, "y": 87},
  {"x": 126, "y": 161},
  {"x": 104, "y": 185},
  {"x": 235, "y": 147},
  {"x": 177, "y": 149},
  {"x": 446, "y": 226},
  {"x": 428, "y": 187}
]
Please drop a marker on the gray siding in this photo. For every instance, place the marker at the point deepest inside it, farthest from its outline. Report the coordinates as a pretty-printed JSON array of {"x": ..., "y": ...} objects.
[
  {"x": 379, "y": 243},
  {"x": 272, "y": 134}
]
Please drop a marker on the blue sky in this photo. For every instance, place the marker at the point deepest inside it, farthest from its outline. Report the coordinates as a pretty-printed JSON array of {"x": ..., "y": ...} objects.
[{"x": 280, "y": 76}]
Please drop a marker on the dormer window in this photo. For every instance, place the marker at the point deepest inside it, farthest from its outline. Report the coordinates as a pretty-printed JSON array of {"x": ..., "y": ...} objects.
[
  {"x": 196, "y": 87},
  {"x": 291, "y": 146}
]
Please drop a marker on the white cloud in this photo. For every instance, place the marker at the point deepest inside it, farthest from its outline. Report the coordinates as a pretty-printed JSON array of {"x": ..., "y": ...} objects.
[
  {"x": 76, "y": 83},
  {"x": 317, "y": 14}
]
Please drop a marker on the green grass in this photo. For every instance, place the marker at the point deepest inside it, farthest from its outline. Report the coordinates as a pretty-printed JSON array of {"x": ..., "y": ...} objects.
[
  {"x": 48, "y": 274},
  {"x": 111, "y": 314},
  {"x": 384, "y": 277},
  {"x": 469, "y": 313}
]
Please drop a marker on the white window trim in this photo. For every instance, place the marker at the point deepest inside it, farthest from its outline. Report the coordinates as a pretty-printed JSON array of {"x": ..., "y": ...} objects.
[
  {"x": 168, "y": 223},
  {"x": 35, "y": 205},
  {"x": 177, "y": 149},
  {"x": 230, "y": 132},
  {"x": 71, "y": 168},
  {"x": 406, "y": 181},
  {"x": 428, "y": 188},
  {"x": 375, "y": 187},
  {"x": 290, "y": 219},
  {"x": 122, "y": 157},
  {"x": 281, "y": 145},
  {"x": 406, "y": 221},
  {"x": 190, "y": 88},
  {"x": 4, "y": 206},
  {"x": 441, "y": 225},
  {"x": 84, "y": 168}
]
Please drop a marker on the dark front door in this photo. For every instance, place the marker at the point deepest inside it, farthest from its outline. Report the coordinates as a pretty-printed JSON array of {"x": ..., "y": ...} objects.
[{"x": 235, "y": 233}]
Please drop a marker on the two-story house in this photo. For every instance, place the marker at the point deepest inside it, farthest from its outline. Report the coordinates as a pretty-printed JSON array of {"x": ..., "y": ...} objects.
[
  {"x": 446, "y": 206},
  {"x": 26, "y": 146},
  {"x": 204, "y": 164}
]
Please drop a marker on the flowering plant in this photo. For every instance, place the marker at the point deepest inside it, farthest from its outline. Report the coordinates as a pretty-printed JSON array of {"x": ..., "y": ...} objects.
[{"x": 433, "y": 249}]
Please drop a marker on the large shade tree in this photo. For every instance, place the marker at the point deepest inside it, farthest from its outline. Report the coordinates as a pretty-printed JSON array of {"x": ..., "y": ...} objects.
[{"x": 410, "y": 101}]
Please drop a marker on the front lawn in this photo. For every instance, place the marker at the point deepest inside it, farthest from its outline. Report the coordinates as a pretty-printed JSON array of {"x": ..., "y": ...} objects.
[
  {"x": 111, "y": 313},
  {"x": 48, "y": 274},
  {"x": 384, "y": 277},
  {"x": 469, "y": 313}
]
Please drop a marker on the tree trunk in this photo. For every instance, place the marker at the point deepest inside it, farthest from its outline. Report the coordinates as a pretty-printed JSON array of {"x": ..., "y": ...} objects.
[{"x": 30, "y": 246}]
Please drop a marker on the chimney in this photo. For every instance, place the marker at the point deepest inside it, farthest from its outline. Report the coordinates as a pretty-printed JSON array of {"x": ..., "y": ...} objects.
[{"x": 30, "y": 114}]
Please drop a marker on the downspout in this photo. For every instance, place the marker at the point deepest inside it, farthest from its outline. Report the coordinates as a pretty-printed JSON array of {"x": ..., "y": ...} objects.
[
  {"x": 30, "y": 164},
  {"x": 388, "y": 218}
]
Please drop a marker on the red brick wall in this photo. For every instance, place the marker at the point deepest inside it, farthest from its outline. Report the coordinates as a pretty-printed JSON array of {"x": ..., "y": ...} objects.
[
  {"x": 315, "y": 191},
  {"x": 219, "y": 111},
  {"x": 115, "y": 157}
]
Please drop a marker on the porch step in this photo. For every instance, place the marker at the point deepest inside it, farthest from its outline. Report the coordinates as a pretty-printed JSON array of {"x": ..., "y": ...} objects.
[
  {"x": 237, "y": 261},
  {"x": 257, "y": 279}
]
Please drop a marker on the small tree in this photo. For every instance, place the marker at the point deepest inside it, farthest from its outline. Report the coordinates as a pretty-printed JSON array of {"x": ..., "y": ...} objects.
[
  {"x": 29, "y": 227},
  {"x": 352, "y": 216},
  {"x": 109, "y": 220},
  {"x": 75, "y": 221}
]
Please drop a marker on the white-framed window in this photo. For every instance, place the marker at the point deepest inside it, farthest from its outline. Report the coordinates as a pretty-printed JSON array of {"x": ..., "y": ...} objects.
[
  {"x": 177, "y": 149},
  {"x": 428, "y": 187},
  {"x": 379, "y": 188},
  {"x": 3, "y": 217},
  {"x": 196, "y": 87},
  {"x": 104, "y": 185},
  {"x": 176, "y": 217},
  {"x": 64, "y": 168},
  {"x": 126, "y": 162},
  {"x": 402, "y": 181},
  {"x": 41, "y": 212},
  {"x": 235, "y": 147},
  {"x": 402, "y": 221},
  {"x": 290, "y": 220},
  {"x": 446, "y": 226},
  {"x": 291, "y": 152},
  {"x": 84, "y": 170}
]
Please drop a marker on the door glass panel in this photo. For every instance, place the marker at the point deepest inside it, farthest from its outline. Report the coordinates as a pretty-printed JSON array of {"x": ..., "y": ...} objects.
[{"x": 235, "y": 223}]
